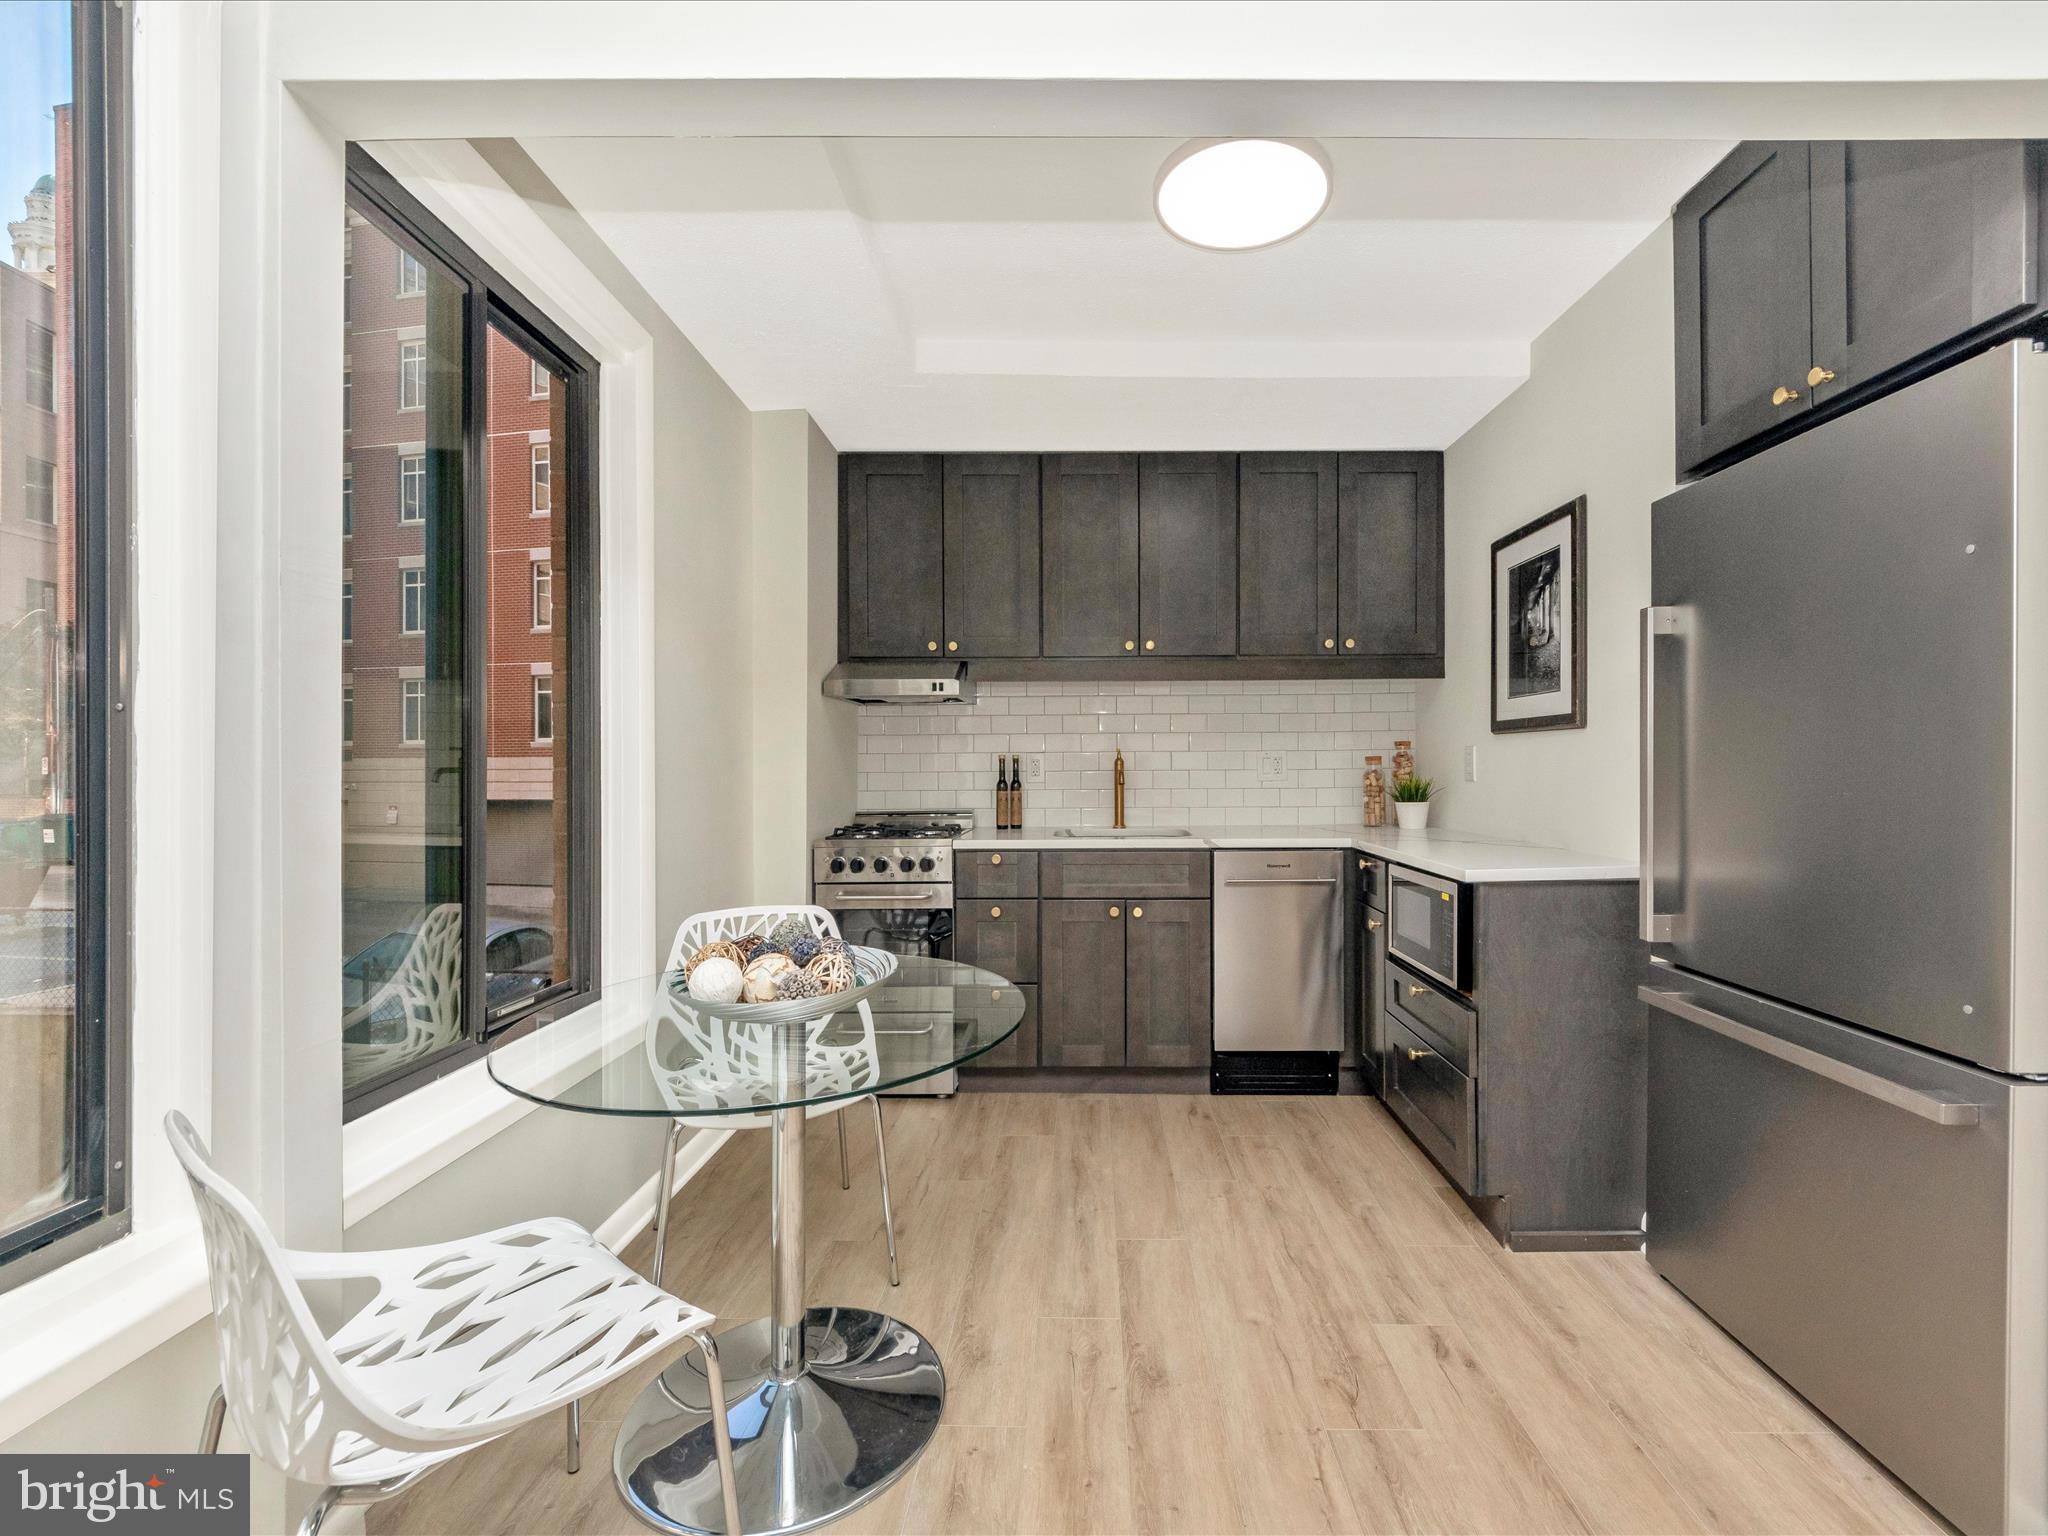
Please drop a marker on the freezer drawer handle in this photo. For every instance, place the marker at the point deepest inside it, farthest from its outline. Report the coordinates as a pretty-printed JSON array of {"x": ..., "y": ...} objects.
[
  {"x": 1654, "y": 927},
  {"x": 1937, "y": 1107},
  {"x": 1303, "y": 880}
]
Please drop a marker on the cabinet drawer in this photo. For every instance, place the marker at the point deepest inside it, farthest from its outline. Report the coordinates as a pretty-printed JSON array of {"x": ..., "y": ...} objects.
[
  {"x": 1111, "y": 873},
  {"x": 1021, "y": 1049},
  {"x": 999, "y": 936},
  {"x": 1438, "y": 1103},
  {"x": 996, "y": 872},
  {"x": 1444, "y": 1023}
]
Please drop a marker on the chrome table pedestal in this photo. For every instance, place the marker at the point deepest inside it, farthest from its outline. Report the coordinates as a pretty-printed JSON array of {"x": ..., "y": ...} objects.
[{"x": 827, "y": 1405}]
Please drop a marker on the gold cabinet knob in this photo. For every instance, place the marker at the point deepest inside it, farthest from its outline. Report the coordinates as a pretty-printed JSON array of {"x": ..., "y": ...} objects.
[
  {"x": 952, "y": 645},
  {"x": 1415, "y": 991},
  {"x": 1361, "y": 863},
  {"x": 1783, "y": 396},
  {"x": 1130, "y": 645},
  {"x": 1137, "y": 911},
  {"x": 995, "y": 911},
  {"x": 1350, "y": 644},
  {"x": 1329, "y": 645},
  {"x": 1116, "y": 911},
  {"x": 1372, "y": 925},
  {"x": 931, "y": 645},
  {"x": 1150, "y": 643},
  {"x": 1819, "y": 375},
  {"x": 995, "y": 858},
  {"x": 1415, "y": 1055}
]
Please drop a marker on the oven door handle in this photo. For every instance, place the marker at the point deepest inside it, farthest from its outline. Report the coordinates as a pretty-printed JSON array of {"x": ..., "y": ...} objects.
[{"x": 880, "y": 898}]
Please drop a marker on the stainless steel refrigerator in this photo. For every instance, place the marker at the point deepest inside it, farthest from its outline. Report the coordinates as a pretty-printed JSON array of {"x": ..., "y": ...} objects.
[{"x": 1845, "y": 855}]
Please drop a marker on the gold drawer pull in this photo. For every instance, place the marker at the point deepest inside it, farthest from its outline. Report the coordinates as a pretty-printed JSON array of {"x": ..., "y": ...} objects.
[
  {"x": 1415, "y": 991},
  {"x": 1783, "y": 396},
  {"x": 1415, "y": 1055},
  {"x": 931, "y": 645},
  {"x": 1372, "y": 925},
  {"x": 1350, "y": 644},
  {"x": 952, "y": 645},
  {"x": 995, "y": 858},
  {"x": 1137, "y": 911},
  {"x": 1116, "y": 911},
  {"x": 1130, "y": 645},
  {"x": 1819, "y": 375},
  {"x": 995, "y": 911},
  {"x": 1329, "y": 645},
  {"x": 1150, "y": 643}
]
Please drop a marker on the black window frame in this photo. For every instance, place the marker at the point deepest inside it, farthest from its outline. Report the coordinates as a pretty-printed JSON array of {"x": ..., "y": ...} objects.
[
  {"x": 101, "y": 331},
  {"x": 492, "y": 302}
]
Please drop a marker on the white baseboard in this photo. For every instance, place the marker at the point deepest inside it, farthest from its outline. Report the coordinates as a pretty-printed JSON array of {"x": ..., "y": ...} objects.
[{"x": 637, "y": 1214}]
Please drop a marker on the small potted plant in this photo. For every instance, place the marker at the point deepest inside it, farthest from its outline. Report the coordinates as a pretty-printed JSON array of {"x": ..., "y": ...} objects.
[{"x": 1411, "y": 802}]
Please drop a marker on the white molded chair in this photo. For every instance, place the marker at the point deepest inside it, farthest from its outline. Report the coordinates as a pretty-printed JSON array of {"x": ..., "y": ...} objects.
[
  {"x": 737, "y": 922},
  {"x": 426, "y": 991},
  {"x": 462, "y": 1342}
]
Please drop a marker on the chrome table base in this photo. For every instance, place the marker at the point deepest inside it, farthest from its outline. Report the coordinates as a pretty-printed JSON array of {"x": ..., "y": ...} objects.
[{"x": 807, "y": 1446}]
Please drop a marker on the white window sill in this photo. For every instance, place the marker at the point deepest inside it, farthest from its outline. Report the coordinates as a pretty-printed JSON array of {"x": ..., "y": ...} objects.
[
  {"x": 72, "y": 1328},
  {"x": 389, "y": 1150}
]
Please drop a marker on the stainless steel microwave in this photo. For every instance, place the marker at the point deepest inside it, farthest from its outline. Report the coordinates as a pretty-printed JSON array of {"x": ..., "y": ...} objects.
[{"x": 1426, "y": 925}]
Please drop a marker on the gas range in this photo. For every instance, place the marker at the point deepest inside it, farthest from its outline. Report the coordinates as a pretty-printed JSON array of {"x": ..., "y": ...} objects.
[{"x": 891, "y": 848}]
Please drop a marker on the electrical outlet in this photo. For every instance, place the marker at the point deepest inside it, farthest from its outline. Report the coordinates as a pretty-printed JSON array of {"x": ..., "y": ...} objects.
[
  {"x": 1034, "y": 768},
  {"x": 1272, "y": 768},
  {"x": 1472, "y": 763}
]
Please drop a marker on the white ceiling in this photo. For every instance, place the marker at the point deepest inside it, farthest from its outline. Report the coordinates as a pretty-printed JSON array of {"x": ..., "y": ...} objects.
[{"x": 951, "y": 293}]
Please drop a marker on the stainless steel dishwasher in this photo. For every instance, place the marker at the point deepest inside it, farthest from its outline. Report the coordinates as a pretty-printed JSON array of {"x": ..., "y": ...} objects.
[{"x": 1280, "y": 957}]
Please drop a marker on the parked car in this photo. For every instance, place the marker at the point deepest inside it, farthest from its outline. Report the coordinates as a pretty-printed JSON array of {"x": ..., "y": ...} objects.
[{"x": 518, "y": 962}]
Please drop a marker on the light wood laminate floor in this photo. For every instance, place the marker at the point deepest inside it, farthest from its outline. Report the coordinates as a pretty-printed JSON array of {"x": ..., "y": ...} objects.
[{"x": 1192, "y": 1314}]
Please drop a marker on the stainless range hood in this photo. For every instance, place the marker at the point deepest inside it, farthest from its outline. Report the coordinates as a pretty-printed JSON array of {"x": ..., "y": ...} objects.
[{"x": 881, "y": 682}]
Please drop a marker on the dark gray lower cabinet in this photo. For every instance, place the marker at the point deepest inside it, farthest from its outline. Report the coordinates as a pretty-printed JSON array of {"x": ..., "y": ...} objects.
[
  {"x": 1117, "y": 874},
  {"x": 999, "y": 936},
  {"x": 1167, "y": 984},
  {"x": 1088, "y": 534},
  {"x": 1021, "y": 1049},
  {"x": 991, "y": 554},
  {"x": 1081, "y": 984},
  {"x": 1187, "y": 554}
]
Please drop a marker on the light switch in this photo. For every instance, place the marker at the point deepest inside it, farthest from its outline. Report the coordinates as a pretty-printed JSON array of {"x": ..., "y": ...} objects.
[{"x": 1472, "y": 763}]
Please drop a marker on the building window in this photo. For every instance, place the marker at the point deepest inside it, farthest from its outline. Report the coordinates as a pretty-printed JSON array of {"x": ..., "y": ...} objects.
[
  {"x": 412, "y": 487},
  {"x": 543, "y": 594},
  {"x": 65, "y": 752},
  {"x": 348, "y": 611},
  {"x": 348, "y": 500},
  {"x": 412, "y": 276},
  {"x": 40, "y": 481},
  {"x": 348, "y": 714},
  {"x": 347, "y": 399},
  {"x": 543, "y": 486},
  {"x": 543, "y": 708},
  {"x": 412, "y": 601},
  {"x": 491, "y": 824},
  {"x": 348, "y": 273},
  {"x": 412, "y": 373},
  {"x": 412, "y": 711},
  {"x": 42, "y": 367}
]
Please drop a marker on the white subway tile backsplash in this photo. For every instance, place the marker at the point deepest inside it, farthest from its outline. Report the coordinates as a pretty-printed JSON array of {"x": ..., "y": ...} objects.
[{"x": 1190, "y": 750}]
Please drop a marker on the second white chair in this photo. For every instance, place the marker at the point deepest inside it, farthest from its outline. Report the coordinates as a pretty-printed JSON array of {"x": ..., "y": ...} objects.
[{"x": 733, "y": 923}]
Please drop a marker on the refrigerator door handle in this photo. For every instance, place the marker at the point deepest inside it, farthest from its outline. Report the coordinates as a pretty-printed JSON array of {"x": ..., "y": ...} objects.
[
  {"x": 1653, "y": 927},
  {"x": 1940, "y": 1108}
]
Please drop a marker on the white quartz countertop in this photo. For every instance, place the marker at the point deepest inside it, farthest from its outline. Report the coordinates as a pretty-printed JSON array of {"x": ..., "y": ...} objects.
[{"x": 1462, "y": 856}]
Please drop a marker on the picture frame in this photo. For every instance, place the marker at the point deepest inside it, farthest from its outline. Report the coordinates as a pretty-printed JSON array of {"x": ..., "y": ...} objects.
[{"x": 1539, "y": 623}]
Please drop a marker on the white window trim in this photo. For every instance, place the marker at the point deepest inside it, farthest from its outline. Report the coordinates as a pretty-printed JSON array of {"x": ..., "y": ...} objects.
[
  {"x": 402, "y": 460},
  {"x": 534, "y": 689},
  {"x": 404, "y": 344},
  {"x": 348, "y": 492},
  {"x": 407, "y": 262},
  {"x": 534, "y": 562},
  {"x": 540, "y": 373},
  {"x": 404, "y": 586},
  {"x": 348, "y": 607},
  {"x": 405, "y": 693},
  {"x": 538, "y": 454}
]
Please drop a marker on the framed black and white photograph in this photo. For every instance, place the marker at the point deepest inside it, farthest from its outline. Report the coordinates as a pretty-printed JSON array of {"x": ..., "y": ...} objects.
[{"x": 1539, "y": 623}]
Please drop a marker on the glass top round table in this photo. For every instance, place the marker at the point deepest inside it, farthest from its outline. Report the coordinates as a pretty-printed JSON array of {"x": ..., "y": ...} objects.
[{"x": 826, "y": 1405}]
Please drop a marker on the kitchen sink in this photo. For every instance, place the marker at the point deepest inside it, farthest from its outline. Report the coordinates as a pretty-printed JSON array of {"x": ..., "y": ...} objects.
[{"x": 1120, "y": 832}]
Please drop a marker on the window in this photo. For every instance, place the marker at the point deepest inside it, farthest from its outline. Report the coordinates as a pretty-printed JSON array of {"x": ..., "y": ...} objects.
[
  {"x": 412, "y": 601},
  {"x": 412, "y": 277},
  {"x": 412, "y": 711},
  {"x": 412, "y": 487},
  {"x": 40, "y": 482},
  {"x": 543, "y": 707},
  {"x": 543, "y": 594},
  {"x": 412, "y": 367},
  {"x": 347, "y": 398},
  {"x": 42, "y": 367},
  {"x": 348, "y": 500},
  {"x": 348, "y": 274},
  {"x": 64, "y": 748},
  {"x": 348, "y": 611},
  {"x": 476, "y": 815},
  {"x": 348, "y": 714},
  {"x": 543, "y": 488}
]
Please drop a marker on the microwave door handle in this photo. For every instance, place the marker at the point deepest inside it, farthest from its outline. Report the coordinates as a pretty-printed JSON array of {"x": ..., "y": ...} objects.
[
  {"x": 1940, "y": 1108},
  {"x": 1653, "y": 927}
]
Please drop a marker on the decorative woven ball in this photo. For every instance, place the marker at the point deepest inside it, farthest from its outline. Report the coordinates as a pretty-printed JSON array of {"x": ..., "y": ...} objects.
[
  {"x": 717, "y": 948},
  {"x": 832, "y": 972},
  {"x": 796, "y": 984},
  {"x": 715, "y": 979},
  {"x": 749, "y": 945},
  {"x": 765, "y": 974},
  {"x": 803, "y": 950},
  {"x": 832, "y": 944},
  {"x": 789, "y": 930}
]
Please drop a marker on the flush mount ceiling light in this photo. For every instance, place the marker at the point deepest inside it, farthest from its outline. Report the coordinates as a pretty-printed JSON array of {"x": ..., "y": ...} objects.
[{"x": 1241, "y": 194}]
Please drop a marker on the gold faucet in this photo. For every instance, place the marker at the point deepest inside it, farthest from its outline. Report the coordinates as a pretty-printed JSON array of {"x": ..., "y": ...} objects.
[{"x": 1119, "y": 786}]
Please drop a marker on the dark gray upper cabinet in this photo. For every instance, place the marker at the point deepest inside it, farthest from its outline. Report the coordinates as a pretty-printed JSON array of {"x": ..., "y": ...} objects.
[
  {"x": 1187, "y": 554},
  {"x": 1167, "y": 984},
  {"x": 1286, "y": 554},
  {"x": 1081, "y": 984},
  {"x": 1740, "y": 260},
  {"x": 1390, "y": 554},
  {"x": 1915, "y": 243},
  {"x": 991, "y": 554},
  {"x": 892, "y": 557},
  {"x": 1089, "y": 537}
]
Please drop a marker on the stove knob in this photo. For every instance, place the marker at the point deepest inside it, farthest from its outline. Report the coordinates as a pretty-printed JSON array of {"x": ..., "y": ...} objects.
[
  {"x": 857, "y": 864},
  {"x": 838, "y": 865},
  {"x": 906, "y": 865},
  {"x": 927, "y": 863}
]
